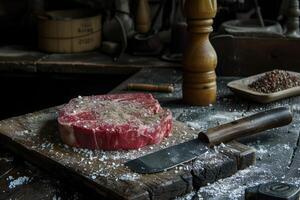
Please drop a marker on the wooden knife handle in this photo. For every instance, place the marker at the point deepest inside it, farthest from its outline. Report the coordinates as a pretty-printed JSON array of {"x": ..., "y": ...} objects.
[
  {"x": 151, "y": 87},
  {"x": 247, "y": 126}
]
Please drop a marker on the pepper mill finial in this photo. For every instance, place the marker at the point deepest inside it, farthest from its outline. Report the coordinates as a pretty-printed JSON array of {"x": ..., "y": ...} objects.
[
  {"x": 143, "y": 20},
  {"x": 200, "y": 59},
  {"x": 293, "y": 14}
]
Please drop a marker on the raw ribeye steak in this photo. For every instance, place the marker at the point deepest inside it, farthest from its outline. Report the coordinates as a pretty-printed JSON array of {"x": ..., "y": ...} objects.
[{"x": 113, "y": 122}]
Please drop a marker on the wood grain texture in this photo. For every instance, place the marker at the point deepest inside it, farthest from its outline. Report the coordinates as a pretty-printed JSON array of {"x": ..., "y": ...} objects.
[
  {"x": 23, "y": 59},
  {"x": 244, "y": 155},
  {"x": 79, "y": 33},
  {"x": 254, "y": 55},
  {"x": 211, "y": 168}
]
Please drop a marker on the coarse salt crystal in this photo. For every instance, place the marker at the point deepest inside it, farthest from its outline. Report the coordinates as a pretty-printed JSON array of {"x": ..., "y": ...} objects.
[
  {"x": 19, "y": 181},
  {"x": 286, "y": 146},
  {"x": 129, "y": 177},
  {"x": 56, "y": 197},
  {"x": 222, "y": 145}
]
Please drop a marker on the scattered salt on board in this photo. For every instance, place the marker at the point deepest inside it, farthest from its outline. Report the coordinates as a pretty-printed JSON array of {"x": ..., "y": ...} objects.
[{"x": 16, "y": 182}]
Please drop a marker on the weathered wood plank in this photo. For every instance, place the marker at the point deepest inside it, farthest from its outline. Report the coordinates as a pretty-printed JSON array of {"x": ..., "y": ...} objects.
[
  {"x": 25, "y": 181},
  {"x": 244, "y": 155},
  {"x": 212, "y": 167},
  {"x": 169, "y": 184},
  {"x": 35, "y": 190},
  {"x": 6, "y": 162},
  {"x": 12, "y": 57},
  {"x": 22, "y": 59},
  {"x": 253, "y": 55}
]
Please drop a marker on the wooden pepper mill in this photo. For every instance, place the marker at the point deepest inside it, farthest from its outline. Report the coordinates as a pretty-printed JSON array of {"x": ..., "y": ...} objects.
[
  {"x": 143, "y": 19},
  {"x": 200, "y": 59}
]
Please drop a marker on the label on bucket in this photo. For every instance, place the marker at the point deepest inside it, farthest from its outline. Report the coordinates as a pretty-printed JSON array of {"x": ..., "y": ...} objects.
[
  {"x": 84, "y": 41},
  {"x": 86, "y": 28}
]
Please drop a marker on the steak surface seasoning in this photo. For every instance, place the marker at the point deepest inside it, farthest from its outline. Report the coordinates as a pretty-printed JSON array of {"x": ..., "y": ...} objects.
[{"x": 274, "y": 81}]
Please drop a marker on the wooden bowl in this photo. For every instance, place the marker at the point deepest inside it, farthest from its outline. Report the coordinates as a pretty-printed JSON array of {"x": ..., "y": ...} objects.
[
  {"x": 241, "y": 88},
  {"x": 248, "y": 26}
]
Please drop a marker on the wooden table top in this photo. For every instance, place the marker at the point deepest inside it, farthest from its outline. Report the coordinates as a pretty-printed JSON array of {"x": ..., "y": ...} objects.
[
  {"x": 278, "y": 154},
  {"x": 24, "y": 59}
]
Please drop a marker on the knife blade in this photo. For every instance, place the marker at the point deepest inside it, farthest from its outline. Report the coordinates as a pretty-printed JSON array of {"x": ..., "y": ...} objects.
[{"x": 173, "y": 156}]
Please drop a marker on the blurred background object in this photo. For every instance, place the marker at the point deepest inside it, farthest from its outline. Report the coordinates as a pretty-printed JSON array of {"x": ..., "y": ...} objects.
[
  {"x": 155, "y": 28},
  {"x": 18, "y": 16},
  {"x": 69, "y": 31}
]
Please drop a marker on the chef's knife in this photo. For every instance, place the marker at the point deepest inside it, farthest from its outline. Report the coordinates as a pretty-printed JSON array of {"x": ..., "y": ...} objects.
[{"x": 181, "y": 153}]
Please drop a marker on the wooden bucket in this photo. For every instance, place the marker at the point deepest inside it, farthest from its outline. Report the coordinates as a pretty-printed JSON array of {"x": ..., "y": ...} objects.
[{"x": 69, "y": 31}]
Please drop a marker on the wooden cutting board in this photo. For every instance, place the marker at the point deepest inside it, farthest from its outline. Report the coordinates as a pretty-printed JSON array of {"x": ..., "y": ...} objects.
[{"x": 34, "y": 137}]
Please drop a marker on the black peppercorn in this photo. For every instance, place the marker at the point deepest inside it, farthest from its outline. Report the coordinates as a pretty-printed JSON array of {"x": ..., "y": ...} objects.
[{"x": 275, "y": 81}]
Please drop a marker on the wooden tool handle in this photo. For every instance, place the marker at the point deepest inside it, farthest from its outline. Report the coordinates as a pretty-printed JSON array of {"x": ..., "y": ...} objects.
[
  {"x": 247, "y": 126},
  {"x": 151, "y": 87}
]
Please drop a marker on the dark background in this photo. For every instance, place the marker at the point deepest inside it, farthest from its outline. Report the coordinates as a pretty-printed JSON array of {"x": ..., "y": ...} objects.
[
  {"x": 18, "y": 24},
  {"x": 22, "y": 93}
]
